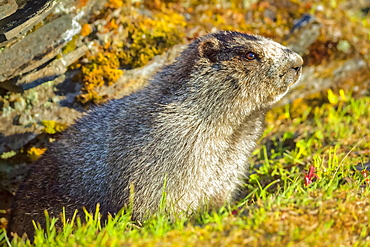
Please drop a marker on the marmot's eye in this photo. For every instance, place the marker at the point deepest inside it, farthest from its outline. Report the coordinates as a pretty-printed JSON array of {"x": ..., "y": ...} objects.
[{"x": 251, "y": 56}]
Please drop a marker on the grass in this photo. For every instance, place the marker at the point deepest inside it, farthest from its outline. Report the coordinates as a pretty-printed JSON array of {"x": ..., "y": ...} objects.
[{"x": 278, "y": 209}]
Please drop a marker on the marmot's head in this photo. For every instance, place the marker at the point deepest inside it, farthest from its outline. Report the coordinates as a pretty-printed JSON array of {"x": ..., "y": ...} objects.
[{"x": 249, "y": 68}]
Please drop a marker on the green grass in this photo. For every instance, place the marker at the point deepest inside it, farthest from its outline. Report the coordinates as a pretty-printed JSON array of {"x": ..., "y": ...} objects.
[{"x": 278, "y": 209}]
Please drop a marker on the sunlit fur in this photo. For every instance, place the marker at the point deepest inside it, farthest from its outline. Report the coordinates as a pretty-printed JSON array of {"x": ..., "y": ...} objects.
[{"x": 188, "y": 134}]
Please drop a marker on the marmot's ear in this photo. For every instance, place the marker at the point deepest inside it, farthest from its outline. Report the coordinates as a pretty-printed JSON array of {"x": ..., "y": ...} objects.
[{"x": 209, "y": 49}]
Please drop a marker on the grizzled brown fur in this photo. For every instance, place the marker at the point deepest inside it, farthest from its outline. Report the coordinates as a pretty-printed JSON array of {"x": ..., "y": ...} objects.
[{"x": 193, "y": 128}]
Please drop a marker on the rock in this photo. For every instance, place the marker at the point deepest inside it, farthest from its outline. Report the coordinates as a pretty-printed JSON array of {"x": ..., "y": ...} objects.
[
  {"x": 7, "y": 7},
  {"x": 17, "y": 140},
  {"x": 35, "y": 49},
  {"x": 29, "y": 13},
  {"x": 20, "y": 123},
  {"x": 25, "y": 65},
  {"x": 54, "y": 69},
  {"x": 10, "y": 177},
  {"x": 28, "y": 68},
  {"x": 303, "y": 34}
]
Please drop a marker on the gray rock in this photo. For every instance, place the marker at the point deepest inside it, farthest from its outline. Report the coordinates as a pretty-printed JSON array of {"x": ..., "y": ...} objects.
[
  {"x": 7, "y": 7},
  {"x": 20, "y": 126},
  {"x": 11, "y": 175},
  {"x": 16, "y": 141},
  {"x": 53, "y": 70},
  {"x": 33, "y": 50},
  {"x": 304, "y": 33},
  {"x": 29, "y": 13}
]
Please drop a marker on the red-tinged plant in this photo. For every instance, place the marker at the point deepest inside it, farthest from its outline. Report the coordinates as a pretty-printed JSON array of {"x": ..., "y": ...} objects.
[
  {"x": 365, "y": 173},
  {"x": 310, "y": 175}
]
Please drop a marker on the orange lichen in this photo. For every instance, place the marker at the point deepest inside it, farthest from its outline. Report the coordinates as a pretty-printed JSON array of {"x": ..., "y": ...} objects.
[
  {"x": 3, "y": 223},
  {"x": 147, "y": 37},
  {"x": 114, "y": 4},
  {"x": 82, "y": 3},
  {"x": 86, "y": 29},
  {"x": 103, "y": 70},
  {"x": 35, "y": 153}
]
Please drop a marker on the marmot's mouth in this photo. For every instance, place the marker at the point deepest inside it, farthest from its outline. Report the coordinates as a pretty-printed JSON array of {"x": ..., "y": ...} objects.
[
  {"x": 282, "y": 74},
  {"x": 293, "y": 75}
]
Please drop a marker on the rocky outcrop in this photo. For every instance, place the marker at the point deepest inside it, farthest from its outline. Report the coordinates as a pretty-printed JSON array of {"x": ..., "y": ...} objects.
[
  {"x": 31, "y": 58},
  {"x": 34, "y": 73}
]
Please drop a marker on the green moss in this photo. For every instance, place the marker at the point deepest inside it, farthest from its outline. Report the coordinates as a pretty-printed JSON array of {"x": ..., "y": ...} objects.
[
  {"x": 52, "y": 127},
  {"x": 8, "y": 155},
  {"x": 71, "y": 45},
  {"x": 148, "y": 36}
]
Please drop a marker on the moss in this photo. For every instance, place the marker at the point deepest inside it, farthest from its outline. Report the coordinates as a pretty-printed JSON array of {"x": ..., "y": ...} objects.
[
  {"x": 52, "y": 127},
  {"x": 70, "y": 46},
  {"x": 8, "y": 155},
  {"x": 144, "y": 36},
  {"x": 149, "y": 36}
]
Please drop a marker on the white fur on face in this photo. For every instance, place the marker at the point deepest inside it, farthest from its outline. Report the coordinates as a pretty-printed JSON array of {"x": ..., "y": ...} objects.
[{"x": 282, "y": 66}]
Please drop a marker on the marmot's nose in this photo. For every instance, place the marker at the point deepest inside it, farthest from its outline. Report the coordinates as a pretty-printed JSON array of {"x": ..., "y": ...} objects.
[
  {"x": 297, "y": 62},
  {"x": 297, "y": 68}
]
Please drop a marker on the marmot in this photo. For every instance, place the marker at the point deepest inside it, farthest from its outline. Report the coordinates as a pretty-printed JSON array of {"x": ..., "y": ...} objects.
[{"x": 189, "y": 134}]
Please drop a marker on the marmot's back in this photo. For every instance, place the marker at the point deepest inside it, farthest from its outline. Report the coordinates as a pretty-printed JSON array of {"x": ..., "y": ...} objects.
[{"x": 192, "y": 129}]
